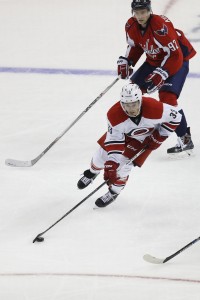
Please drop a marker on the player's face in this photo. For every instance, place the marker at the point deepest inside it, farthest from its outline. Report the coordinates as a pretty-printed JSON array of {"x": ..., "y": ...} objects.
[
  {"x": 142, "y": 16},
  {"x": 132, "y": 109}
]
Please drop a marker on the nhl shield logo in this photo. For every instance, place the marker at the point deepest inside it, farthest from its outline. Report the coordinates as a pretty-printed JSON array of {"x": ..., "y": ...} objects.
[{"x": 163, "y": 31}]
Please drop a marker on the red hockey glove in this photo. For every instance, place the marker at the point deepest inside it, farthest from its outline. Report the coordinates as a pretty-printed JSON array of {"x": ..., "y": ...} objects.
[
  {"x": 110, "y": 171},
  {"x": 156, "y": 80},
  {"x": 123, "y": 67},
  {"x": 154, "y": 141},
  {"x": 132, "y": 147}
]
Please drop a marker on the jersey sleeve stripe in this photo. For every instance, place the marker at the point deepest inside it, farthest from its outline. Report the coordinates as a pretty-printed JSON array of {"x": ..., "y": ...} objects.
[
  {"x": 169, "y": 127},
  {"x": 114, "y": 143},
  {"x": 174, "y": 123},
  {"x": 114, "y": 152},
  {"x": 114, "y": 146},
  {"x": 94, "y": 167}
]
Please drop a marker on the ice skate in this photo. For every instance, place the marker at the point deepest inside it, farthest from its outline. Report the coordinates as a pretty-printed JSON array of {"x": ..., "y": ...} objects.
[
  {"x": 183, "y": 147},
  {"x": 106, "y": 199},
  {"x": 86, "y": 179}
]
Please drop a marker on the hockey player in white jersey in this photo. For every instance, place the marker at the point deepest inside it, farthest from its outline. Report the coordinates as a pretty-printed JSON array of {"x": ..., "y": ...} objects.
[{"x": 134, "y": 123}]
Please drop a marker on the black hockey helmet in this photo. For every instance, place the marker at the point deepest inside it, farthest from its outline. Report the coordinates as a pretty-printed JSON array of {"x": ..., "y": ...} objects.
[{"x": 141, "y": 4}]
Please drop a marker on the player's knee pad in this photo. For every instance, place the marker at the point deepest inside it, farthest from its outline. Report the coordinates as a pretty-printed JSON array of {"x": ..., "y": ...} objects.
[{"x": 168, "y": 98}]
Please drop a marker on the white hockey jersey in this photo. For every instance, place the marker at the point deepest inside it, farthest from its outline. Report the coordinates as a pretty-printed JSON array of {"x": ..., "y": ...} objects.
[{"x": 122, "y": 128}]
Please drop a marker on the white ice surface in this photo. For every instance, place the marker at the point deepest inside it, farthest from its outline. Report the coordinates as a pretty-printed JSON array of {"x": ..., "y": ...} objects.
[{"x": 91, "y": 254}]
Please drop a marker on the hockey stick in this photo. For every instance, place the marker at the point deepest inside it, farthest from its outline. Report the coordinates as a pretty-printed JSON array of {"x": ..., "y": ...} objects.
[
  {"x": 30, "y": 163},
  {"x": 155, "y": 260},
  {"x": 39, "y": 237}
]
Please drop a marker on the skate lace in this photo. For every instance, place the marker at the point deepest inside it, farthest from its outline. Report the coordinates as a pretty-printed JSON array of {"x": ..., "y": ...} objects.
[
  {"x": 184, "y": 141},
  {"x": 180, "y": 142}
]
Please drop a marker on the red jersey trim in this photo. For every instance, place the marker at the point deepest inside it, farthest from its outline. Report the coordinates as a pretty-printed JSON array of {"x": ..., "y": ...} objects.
[
  {"x": 151, "y": 108},
  {"x": 116, "y": 114}
]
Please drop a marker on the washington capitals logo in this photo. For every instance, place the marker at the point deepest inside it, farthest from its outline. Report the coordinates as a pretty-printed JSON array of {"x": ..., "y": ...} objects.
[{"x": 163, "y": 31}]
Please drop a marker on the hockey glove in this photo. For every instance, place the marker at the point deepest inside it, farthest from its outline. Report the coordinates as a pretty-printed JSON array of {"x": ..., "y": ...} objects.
[
  {"x": 132, "y": 147},
  {"x": 110, "y": 171},
  {"x": 156, "y": 80},
  {"x": 123, "y": 67},
  {"x": 154, "y": 141}
]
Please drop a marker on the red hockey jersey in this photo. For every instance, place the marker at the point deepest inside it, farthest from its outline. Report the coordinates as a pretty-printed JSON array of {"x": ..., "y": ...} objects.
[{"x": 164, "y": 46}]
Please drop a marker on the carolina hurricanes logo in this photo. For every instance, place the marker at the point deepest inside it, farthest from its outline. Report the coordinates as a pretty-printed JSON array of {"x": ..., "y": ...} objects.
[
  {"x": 139, "y": 131},
  {"x": 163, "y": 31}
]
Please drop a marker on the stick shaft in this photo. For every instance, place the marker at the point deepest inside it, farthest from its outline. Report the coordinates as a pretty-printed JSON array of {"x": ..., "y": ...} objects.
[
  {"x": 88, "y": 196},
  {"x": 81, "y": 115},
  {"x": 181, "y": 250},
  {"x": 15, "y": 163},
  {"x": 73, "y": 208}
]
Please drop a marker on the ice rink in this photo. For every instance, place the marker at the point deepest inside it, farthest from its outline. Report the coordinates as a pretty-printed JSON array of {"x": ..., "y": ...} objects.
[{"x": 56, "y": 57}]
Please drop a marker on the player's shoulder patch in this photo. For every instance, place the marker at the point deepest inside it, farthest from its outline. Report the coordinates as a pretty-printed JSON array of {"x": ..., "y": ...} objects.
[
  {"x": 151, "y": 108},
  {"x": 159, "y": 25},
  {"x": 165, "y": 19},
  {"x": 116, "y": 115}
]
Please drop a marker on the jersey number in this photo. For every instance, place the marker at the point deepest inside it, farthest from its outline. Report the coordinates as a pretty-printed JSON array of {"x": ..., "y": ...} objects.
[
  {"x": 173, "y": 113},
  {"x": 173, "y": 45}
]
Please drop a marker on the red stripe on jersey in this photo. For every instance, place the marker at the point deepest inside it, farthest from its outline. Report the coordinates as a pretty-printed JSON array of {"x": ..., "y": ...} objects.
[
  {"x": 121, "y": 182},
  {"x": 94, "y": 167},
  {"x": 119, "y": 147},
  {"x": 170, "y": 126},
  {"x": 102, "y": 140},
  {"x": 114, "y": 147},
  {"x": 151, "y": 108}
]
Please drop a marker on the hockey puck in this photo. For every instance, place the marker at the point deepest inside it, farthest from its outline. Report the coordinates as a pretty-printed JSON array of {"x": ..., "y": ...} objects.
[{"x": 38, "y": 239}]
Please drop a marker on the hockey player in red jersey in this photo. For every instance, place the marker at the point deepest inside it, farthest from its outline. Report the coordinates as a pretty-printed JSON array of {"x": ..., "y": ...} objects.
[
  {"x": 134, "y": 123},
  {"x": 167, "y": 62}
]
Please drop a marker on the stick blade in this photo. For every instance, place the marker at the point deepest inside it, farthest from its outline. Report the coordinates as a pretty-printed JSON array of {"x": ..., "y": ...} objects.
[
  {"x": 153, "y": 260},
  {"x": 18, "y": 163}
]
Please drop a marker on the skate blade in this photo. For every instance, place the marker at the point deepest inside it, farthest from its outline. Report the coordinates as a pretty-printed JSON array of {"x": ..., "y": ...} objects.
[
  {"x": 96, "y": 207},
  {"x": 181, "y": 155}
]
